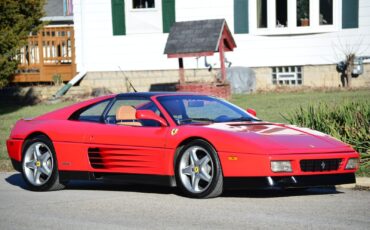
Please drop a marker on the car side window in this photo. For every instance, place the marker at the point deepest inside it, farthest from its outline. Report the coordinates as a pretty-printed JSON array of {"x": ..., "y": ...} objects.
[
  {"x": 123, "y": 112},
  {"x": 92, "y": 113}
]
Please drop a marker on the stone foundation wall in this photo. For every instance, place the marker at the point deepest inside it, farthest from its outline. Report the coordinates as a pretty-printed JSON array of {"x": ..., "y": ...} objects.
[
  {"x": 324, "y": 76},
  {"x": 313, "y": 76},
  {"x": 163, "y": 80},
  {"x": 143, "y": 80},
  {"x": 40, "y": 93}
]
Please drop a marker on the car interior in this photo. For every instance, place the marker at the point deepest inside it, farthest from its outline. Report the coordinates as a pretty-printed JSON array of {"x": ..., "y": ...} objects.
[
  {"x": 122, "y": 112},
  {"x": 126, "y": 115}
]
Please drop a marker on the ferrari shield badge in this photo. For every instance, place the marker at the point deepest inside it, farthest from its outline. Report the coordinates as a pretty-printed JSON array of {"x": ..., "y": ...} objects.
[{"x": 174, "y": 131}]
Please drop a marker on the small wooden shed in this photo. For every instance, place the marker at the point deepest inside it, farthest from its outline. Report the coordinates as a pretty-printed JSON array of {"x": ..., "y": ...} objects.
[{"x": 199, "y": 38}]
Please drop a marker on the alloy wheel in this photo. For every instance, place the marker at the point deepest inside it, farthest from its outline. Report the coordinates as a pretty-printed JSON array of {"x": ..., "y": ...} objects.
[
  {"x": 196, "y": 169},
  {"x": 38, "y": 163}
]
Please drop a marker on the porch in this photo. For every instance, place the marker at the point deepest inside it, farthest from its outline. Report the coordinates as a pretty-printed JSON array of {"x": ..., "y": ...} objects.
[{"x": 48, "y": 56}]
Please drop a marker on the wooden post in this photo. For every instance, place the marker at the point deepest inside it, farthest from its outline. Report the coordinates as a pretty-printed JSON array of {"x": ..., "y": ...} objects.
[
  {"x": 73, "y": 55},
  {"x": 181, "y": 71},
  {"x": 41, "y": 54},
  {"x": 222, "y": 60}
]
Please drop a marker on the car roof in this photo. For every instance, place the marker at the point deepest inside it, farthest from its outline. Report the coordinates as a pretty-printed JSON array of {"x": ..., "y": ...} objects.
[{"x": 151, "y": 94}]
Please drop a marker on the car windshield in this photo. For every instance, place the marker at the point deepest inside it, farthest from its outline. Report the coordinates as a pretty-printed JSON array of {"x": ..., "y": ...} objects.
[{"x": 187, "y": 109}]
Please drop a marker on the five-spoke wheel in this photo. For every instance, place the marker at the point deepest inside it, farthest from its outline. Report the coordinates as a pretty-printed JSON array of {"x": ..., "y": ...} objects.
[
  {"x": 39, "y": 167},
  {"x": 38, "y": 163},
  {"x": 198, "y": 170}
]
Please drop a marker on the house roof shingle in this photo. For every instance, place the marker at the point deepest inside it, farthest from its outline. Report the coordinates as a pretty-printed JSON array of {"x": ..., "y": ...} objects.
[
  {"x": 195, "y": 36},
  {"x": 54, "y": 8},
  {"x": 54, "y": 12}
]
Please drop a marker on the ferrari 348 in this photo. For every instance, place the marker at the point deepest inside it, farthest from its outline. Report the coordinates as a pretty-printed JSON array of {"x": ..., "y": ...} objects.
[{"x": 198, "y": 143}]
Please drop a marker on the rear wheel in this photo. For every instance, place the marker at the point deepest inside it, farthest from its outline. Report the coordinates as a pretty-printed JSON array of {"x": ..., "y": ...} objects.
[
  {"x": 39, "y": 165},
  {"x": 198, "y": 170}
]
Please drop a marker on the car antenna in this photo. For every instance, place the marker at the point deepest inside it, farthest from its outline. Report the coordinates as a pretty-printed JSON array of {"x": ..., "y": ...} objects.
[{"x": 127, "y": 80}]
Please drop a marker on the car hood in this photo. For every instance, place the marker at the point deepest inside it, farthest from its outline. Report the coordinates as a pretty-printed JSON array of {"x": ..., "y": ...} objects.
[{"x": 287, "y": 138}]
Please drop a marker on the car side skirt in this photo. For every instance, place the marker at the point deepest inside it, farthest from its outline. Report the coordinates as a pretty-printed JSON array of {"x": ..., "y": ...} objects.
[
  {"x": 288, "y": 181},
  {"x": 118, "y": 177}
]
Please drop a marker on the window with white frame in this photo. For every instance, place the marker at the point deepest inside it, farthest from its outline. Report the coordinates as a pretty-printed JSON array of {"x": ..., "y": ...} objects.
[
  {"x": 143, "y": 4},
  {"x": 303, "y": 13},
  {"x": 287, "y": 75},
  {"x": 262, "y": 14},
  {"x": 326, "y": 12},
  {"x": 293, "y": 16},
  {"x": 281, "y": 8},
  {"x": 143, "y": 16}
]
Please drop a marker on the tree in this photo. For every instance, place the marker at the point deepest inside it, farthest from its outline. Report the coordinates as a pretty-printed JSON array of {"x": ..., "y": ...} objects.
[
  {"x": 18, "y": 18},
  {"x": 348, "y": 72}
]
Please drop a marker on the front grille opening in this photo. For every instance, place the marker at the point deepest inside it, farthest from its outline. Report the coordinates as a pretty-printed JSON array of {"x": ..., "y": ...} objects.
[{"x": 322, "y": 165}]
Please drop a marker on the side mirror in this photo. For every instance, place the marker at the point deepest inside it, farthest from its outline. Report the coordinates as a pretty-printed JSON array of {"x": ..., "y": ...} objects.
[
  {"x": 252, "y": 111},
  {"x": 150, "y": 115}
]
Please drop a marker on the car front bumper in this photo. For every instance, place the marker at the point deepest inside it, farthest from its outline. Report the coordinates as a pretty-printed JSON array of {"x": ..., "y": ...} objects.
[
  {"x": 259, "y": 165},
  {"x": 288, "y": 181}
]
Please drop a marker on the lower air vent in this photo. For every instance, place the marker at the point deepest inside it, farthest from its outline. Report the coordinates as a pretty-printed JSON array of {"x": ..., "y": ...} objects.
[
  {"x": 96, "y": 160},
  {"x": 122, "y": 158}
]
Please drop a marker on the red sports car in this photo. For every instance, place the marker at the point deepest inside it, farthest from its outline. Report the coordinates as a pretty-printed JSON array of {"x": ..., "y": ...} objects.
[{"x": 199, "y": 143}]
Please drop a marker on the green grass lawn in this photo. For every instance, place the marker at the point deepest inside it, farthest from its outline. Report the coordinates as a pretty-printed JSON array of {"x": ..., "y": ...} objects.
[
  {"x": 272, "y": 105},
  {"x": 269, "y": 106}
]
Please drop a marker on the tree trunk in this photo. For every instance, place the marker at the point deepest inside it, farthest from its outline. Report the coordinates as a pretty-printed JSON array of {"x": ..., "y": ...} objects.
[{"x": 349, "y": 69}]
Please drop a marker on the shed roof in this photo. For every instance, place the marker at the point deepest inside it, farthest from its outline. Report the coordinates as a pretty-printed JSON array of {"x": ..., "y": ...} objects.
[{"x": 202, "y": 36}]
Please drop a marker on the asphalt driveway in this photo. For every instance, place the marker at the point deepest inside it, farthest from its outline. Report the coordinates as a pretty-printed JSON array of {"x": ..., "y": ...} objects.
[{"x": 87, "y": 205}]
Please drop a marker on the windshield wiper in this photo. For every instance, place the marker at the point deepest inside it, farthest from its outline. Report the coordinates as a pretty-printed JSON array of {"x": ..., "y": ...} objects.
[{"x": 184, "y": 121}]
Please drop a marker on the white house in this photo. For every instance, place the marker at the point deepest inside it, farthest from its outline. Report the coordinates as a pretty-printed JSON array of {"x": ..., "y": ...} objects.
[{"x": 289, "y": 42}]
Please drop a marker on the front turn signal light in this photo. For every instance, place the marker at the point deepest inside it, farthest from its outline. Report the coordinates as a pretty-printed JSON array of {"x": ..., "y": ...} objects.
[{"x": 281, "y": 166}]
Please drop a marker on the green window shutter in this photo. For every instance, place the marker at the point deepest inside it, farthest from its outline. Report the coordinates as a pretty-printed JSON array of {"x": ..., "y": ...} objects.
[
  {"x": 350, "y": 14},
  {"x": 118, "y": 17},
  {"x": 241, "y": 22},
  {"x": 168, "y": 14}
]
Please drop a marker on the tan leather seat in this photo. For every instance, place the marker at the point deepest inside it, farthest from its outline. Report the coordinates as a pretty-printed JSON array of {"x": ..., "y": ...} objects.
[{"x": 126, "y": 115}]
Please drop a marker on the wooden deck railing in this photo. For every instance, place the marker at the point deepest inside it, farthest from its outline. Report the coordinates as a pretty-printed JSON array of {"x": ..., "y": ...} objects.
[{"x": 48, "y": 53}]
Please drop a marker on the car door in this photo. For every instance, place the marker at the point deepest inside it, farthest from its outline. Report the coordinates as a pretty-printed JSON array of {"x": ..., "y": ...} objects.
[
  {"x": 126, "y": 148},
  {"x": 71, "y": 137}
]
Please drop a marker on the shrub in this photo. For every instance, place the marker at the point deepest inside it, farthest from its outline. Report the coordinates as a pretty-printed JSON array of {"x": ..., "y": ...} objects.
[{"x": 348, "y": 122}]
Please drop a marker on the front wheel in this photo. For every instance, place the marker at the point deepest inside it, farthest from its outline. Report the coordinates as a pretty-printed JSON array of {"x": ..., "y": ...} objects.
[
  {"x": 39, "y": 165},
  {"x": 198, "y": 170}
]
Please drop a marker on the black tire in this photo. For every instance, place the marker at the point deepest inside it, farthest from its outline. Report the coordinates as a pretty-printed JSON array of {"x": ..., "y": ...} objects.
[
  {"x": 48, "y": 182},
  {"x": 212, "y": 169}
]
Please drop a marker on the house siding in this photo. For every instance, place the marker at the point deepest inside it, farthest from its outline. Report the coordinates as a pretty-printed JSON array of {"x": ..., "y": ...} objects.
[{"x": 98, "y": 50}]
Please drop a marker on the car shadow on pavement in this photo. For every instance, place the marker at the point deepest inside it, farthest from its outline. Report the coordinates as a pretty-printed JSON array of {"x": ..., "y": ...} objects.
[
  {"x": 273, "y": 193},
  {"x": 117, "y": 186},
  {"x": 17, "y": 180}
]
